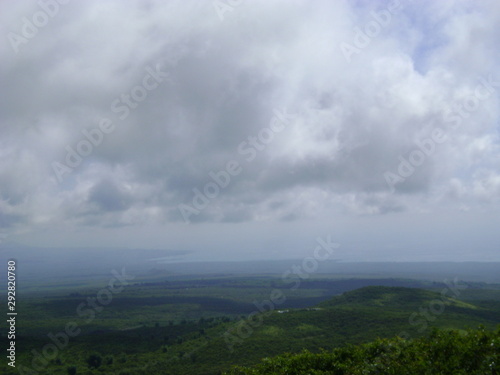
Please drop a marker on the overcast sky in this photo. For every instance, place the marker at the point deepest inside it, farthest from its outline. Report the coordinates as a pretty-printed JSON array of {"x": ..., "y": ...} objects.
[{"x": 246, "y": 129}]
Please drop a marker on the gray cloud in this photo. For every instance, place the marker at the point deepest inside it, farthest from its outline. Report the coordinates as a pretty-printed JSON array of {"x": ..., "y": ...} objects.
[{"x": 353, "y": 120}]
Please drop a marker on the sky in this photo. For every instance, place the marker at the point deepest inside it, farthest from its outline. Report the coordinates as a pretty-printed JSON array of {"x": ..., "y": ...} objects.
[{"x": 238, "y": 129}]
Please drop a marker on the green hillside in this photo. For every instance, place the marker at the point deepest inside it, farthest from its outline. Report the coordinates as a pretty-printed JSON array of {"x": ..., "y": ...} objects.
[
  {"x": 360, "y": 316},
  {"x": 393, "y": 297},
  {"x": 442, "y": 352},
  {"x": 212, "y": 346}
]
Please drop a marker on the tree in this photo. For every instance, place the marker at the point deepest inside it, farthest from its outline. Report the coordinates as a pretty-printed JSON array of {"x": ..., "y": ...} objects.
[
  {"x": 94, "y": 361},
  {"x": 109, "y": 360}
]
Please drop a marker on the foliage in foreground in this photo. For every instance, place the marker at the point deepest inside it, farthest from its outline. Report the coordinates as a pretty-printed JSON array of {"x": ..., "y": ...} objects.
[{"x": 442, "y": 352}]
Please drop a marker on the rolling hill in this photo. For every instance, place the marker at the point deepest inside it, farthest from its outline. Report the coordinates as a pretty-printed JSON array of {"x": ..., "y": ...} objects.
[
  {"x": 359, "y": 316},
  {"x": 212, "y": 346}
]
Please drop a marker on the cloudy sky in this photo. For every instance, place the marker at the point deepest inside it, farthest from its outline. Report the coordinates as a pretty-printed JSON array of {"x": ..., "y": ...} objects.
[{"x": 246, "y": 129}]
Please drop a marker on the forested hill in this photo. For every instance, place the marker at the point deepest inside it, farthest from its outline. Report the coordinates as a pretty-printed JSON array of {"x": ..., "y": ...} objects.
[
  {"x": 442, "y": 352},
  {"x": 371, "y": 330}
]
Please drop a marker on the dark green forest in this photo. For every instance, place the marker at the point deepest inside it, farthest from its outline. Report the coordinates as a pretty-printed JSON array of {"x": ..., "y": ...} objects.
[
  {"x": 208, "y": 325},
  {"x": 441, "y": 352}
]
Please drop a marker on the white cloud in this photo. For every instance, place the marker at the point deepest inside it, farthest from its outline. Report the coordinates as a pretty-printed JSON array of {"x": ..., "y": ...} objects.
[{"x": 353, "y": 119}]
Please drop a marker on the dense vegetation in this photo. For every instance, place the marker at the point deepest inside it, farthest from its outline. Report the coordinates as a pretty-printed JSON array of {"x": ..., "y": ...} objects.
[
  {"x": 442, "y": 352},
  {"x": 205, "y": 326}
]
